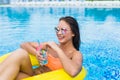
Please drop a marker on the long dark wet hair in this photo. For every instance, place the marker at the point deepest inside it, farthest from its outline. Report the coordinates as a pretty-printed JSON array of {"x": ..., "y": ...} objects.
[{"x": 75, "y": 29}]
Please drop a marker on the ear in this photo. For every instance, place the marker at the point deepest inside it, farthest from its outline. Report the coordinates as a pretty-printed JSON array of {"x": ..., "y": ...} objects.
[{"x": 73, "y": 35}]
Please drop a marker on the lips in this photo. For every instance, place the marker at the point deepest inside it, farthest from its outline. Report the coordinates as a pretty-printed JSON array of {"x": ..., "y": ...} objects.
[{"x": 60, "y": 37}]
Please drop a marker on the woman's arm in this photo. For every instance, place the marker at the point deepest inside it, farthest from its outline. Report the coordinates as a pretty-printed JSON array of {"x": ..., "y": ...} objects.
[
  {"x": 30, "y": 47},
  {"x": 71, "y": 66}
]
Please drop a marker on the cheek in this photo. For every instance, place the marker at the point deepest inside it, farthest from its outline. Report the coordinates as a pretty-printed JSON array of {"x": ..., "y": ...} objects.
[{"x": 69, "y": 36}]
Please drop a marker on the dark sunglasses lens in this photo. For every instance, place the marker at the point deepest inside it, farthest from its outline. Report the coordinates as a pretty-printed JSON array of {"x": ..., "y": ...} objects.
[{"x": 56, "y": 29}]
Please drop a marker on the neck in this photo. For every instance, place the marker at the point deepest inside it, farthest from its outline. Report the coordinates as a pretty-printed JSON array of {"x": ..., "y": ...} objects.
[
  {"x": 67, "y": 46},
  {"x": 68, "y": 49}
]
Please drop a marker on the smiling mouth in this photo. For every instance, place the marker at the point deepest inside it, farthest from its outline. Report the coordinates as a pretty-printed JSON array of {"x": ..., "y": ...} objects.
[{"x": 60, "y": 37}]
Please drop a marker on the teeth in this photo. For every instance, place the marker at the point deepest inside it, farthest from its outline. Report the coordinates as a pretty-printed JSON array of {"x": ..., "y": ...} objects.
[{"x": 60, "y": 37}]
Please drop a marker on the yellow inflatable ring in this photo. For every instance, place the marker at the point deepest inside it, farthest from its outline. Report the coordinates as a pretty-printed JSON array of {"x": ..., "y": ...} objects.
[{"x": 53, "y": 75}]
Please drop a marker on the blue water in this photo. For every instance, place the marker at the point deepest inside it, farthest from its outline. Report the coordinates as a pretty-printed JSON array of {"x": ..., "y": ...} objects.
[{"x": 99, "y": 27}]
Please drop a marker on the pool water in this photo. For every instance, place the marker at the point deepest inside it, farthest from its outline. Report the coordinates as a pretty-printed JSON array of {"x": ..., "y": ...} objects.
[{"x": 99, "y": 27}]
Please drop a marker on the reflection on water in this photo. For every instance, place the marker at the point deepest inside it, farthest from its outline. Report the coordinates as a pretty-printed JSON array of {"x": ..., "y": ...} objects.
[
  {"x": 96, "y": 13},
  {"x": 101, "y": 14},
  {"x": 100, "y": 34}
]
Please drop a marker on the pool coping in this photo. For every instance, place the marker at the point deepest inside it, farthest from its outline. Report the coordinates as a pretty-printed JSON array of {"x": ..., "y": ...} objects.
[{"x": 80, "y": 4}]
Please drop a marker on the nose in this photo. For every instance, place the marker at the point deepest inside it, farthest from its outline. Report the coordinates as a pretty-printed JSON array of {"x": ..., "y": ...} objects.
[{"x": 59, "y": 32}]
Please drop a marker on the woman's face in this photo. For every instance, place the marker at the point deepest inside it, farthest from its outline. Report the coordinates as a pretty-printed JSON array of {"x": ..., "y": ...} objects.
[{"x": 64, "y": 32}]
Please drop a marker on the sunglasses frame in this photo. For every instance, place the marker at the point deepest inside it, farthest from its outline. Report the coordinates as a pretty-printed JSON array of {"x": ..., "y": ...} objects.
[{"x": 63, "y": 30}]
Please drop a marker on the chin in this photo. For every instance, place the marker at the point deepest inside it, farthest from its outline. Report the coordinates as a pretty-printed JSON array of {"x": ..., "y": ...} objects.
[{"x": 61, "y": 42}]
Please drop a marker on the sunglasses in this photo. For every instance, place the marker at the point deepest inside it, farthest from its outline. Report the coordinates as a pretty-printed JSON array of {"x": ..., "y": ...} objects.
[{"x": 63, "y": 30}]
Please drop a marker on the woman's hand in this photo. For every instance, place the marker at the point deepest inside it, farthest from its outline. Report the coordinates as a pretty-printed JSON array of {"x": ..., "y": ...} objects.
[
  {"x": 53, "y": 46},
  {"x": 30, "y": 47},
  {"x": 39, "y": 56}
]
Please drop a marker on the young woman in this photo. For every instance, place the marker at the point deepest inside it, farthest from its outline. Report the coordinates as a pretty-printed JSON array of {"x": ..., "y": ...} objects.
[{"x": 65, "y": 55}]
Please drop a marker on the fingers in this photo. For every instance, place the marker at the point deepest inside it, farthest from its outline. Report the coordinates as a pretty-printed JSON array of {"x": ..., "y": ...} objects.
[{"x": 39, "y": 56}]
